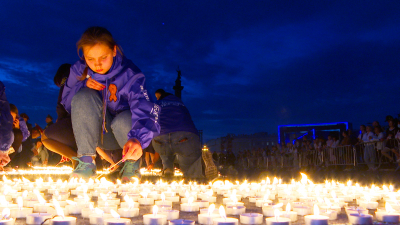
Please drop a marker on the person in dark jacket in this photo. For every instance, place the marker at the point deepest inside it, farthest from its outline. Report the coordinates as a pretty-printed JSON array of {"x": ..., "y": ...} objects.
[
  {"x": 6, "y": 127},
  {"x": 178, "y": 137},
  {"x": 109, "y": 104}
]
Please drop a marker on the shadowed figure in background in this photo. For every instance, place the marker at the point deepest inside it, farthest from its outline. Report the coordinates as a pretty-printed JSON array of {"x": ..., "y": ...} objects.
[{"x": 179, "y": 138}]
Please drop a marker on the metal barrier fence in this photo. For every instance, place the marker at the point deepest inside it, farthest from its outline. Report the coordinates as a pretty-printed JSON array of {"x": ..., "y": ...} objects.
[{"x": 374, "y": 153}]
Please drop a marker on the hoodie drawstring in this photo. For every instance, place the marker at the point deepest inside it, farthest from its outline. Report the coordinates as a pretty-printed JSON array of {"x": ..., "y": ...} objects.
[{"x": 104, "y": 129}]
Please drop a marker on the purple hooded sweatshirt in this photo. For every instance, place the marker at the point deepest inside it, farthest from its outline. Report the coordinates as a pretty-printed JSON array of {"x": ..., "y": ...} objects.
[
  {"x": 6, "y": 121},
  {"x": 125, "y": 90}
]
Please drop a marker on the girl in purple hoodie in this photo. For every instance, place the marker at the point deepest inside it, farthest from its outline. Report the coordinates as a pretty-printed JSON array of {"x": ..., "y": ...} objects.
[{"x": 109, "y": 104}]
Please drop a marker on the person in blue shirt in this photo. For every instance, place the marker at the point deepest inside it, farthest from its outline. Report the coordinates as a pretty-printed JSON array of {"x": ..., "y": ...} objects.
[
  {"x": 179, "y": 138},
  {"x": 109, "y": 105},
  {"x": 6, "y": 127}
]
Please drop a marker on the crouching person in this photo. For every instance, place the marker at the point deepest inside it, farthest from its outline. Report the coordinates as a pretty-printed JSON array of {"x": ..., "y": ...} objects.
[{"x": 40, "y": 155}]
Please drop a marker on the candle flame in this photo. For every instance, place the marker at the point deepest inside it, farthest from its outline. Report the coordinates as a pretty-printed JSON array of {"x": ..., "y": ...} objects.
[
  {"x": 163, "y": 197},
  {"x": 211, "y": 209},
  {"x": 316, "y": 210},
  {"x": 155, "y": 210},
  {"x": 222, "y": 212},
  {"x": 279, "y": 205},
  {"x": 40, "y": 198},
  {"x": 20, "y": 202},
  {"x": 277, "y": 214},
  {"x": 389, "y": 208},
  {"x": 114, "y": 214},
  {"x": 98, "y": 211},
  {"x": 6, "y": 213},
  {"x": 59, "y": 210},
  {"x": 288, "y": 208}
]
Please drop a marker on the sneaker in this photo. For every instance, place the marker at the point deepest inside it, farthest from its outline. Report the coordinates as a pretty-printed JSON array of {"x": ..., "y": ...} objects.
[
  {"x": 130, "y": 169},
  {"x": 84, "y": 169},
  {"x": 210, "y": 169}
]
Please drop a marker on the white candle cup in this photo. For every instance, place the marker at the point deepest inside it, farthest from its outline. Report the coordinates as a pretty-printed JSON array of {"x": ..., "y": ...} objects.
[
  {"x": 117, "y": 221},
  {"x": 290, "y": 215},
  {"x": 254, "y": 199},
  {"x": 67, "y": 220},
  {"x": 235, "y": 210},
  {"x": 166, "y": 202},
  {"x": 186, "y": 207},
  {"x": 269, "y": 210},
  {"x": 202, "y": 203},
  {"x": 226, "y": 221},
  {"x": 9, "y": 221},
  {"x": 205, "y": 211},
  {"x": 170, "y": 214},
  {"x": 37, "y": 218},
  {"x": 205, "y": 218},
  {"x": 109, "y": 201},
  {"x": 211, "y": 199},
  {"x": 146, "y": 201},
  {"x": 302, "y": 210},
  {"x": 332, "y": 214},
  {"x": 181, "y": 222},
  {"x": 226, "y": 200},
  {"x": 86, "y": 212},
  {"x": 30, "y": 203},
  {"x": 20, "y": 213},
  {"x": 251, "y": 218},
  {"x": 316, "y": 220},
  {"x": 95, "y": 219},
  {"x": 107, "y": 209},
  {"x": 41, "y": 208},
  {"x": 126, "y": 205},
  {"x": 391, "y": 217},
  {"x": 157, "y": 219},
  {"x": 128, "y": 212},
  {"x": 277, "y": 221},
  {"x": 361, "y": 219},
  {"x": 134, "y": 197},
  {"x": 172, "y": 198}
]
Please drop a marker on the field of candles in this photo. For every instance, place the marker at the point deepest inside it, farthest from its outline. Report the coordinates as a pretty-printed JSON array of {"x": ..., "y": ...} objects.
[{"x": 272, "y": 200}]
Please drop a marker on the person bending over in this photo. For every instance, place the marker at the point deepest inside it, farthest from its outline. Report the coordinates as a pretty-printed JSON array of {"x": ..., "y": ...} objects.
[{"x": 109, "y": 104}]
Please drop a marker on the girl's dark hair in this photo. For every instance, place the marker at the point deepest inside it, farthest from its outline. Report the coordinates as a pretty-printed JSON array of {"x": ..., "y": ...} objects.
[
  {"x": 93, "y": 36},
  {"x": 13, "y": 109}
]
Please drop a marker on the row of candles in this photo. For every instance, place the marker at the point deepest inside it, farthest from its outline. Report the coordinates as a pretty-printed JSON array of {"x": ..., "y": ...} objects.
[{"x": 318, "y": 203}]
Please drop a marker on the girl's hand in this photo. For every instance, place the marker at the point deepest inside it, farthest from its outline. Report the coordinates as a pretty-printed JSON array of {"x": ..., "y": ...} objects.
[
  {"x": 4, "y": 158},
  {"x": 132, "y": 150},
  {"x": 91, "y": 83},
  {"x": 16, "y": 123}
]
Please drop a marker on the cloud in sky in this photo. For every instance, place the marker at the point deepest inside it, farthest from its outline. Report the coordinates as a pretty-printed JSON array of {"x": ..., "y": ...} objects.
[{"x": 246, "y": 66}]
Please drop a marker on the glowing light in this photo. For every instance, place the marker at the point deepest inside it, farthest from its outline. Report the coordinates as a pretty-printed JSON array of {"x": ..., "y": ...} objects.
[
  {"x": 114, "y": 214},
  {"x": 276, "y": 214},
  {"x": 155, "y": 210},
  {"x": 6, "y": 213},
  {"x": 316, "y": 210},
  {"x": 211, "y": 209},
  {"x": 222, "y": 212}
]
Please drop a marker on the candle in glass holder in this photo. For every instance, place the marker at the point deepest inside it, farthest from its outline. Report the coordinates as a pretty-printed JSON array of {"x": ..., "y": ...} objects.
[
  {"x": 207, "y": 218},
  {"x": 316, "y": 219},
  {"x": 155, "y": 218},
  {"x": 116, "y": 220}
]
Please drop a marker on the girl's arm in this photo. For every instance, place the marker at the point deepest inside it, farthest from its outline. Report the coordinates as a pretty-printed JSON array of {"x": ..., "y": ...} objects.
[
  {"x": 144, "y": 112},
  {"x": 6, "y": 121}
]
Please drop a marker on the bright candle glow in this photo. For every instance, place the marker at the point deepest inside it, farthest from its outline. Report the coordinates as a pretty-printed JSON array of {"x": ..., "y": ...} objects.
[
  {"x": 115, "y": 214},
  {"x": 155, "y": 210},
  {"x": 316, "y": 210},
  {"x": 389, "y": 208},
  {"x": 211, "y": 209},
  {"x": 288, "y": 208},
  {"x": 98, "y": 211},
  {"x": 222, "y": 212},
  {"x": 276, "y": 214},
  {"x": 6, "y": 213}
]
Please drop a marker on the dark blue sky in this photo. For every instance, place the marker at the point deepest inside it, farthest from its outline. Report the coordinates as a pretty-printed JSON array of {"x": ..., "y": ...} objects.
[{"x": 247, "y": 66}]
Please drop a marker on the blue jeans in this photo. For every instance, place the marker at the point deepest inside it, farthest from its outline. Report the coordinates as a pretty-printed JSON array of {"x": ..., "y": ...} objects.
[
  {"x": 86, "y": 114},
  {"x": 185, "y": 146}
]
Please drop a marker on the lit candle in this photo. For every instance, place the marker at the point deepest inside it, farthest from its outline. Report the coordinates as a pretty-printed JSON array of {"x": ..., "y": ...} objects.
[
  {"x": 388, "y": 216},
  {"x": 190, "y": 206},
  {"x": 116, "y": 220},
  {"x": 361, "y": 219},
  {"x": 40, "y": 207},
  {"x": 235, "y": 210},
  {"x": 316, "y": 219},
  {"x": 60, "y": 219},
  {"x": 207, "y": 218},
  {"x": 6, "y": 220},
  {"x": 145, "y": 200},
  {"x": 163, "y": 201},
  {"x": 224, "y": 220},
  {"x": 87, "y": 211},
  {"x": 251, "y": 218},
  {"x": 98, "y": 217},
  {"x": 154, "y": 219},
  {"x": 276, "y": 220},
  {"x": 73, "y": 208},
  {"x": 269, "y": 210},
  {"x": 290, "y": 214},
  {"x": 37, "y": 218},
  {"x": 20, "y": 212}
]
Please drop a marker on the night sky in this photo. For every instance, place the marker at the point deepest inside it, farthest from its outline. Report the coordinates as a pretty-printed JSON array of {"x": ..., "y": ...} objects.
[{"x": 247, "y": 66}]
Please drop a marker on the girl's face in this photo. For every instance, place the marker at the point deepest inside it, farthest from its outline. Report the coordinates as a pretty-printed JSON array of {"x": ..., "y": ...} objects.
[{"x": 99, "y": 57}]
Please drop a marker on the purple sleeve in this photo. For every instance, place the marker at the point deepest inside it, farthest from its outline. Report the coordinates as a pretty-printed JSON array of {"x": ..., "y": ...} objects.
[
  {"x": 144, "y": 112},
  {"x": 6, "y": 121},
  {"x": 24, "y": 129},
  {"x": 73, "y": 85}
]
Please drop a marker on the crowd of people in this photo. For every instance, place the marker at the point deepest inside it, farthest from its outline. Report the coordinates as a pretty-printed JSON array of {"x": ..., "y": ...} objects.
[
  {"x": 104, "y": 113},
  {"x": 371, "y": 146}
]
